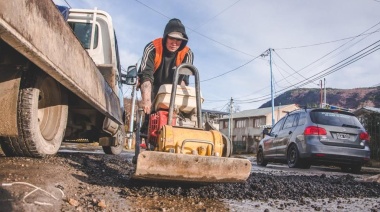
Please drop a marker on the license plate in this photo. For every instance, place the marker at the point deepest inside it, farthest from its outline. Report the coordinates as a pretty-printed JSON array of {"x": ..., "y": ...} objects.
[{"x": 343, "y": 136}]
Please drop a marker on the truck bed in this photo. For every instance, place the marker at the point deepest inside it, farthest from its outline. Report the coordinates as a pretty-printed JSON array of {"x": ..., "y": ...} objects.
[{"x": 39, "y": 32}]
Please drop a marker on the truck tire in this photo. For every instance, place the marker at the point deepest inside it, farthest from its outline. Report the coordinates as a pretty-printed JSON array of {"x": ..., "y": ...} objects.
[
  {"x": 118, "y": 148},
  {"x": 41, "y": 119}
]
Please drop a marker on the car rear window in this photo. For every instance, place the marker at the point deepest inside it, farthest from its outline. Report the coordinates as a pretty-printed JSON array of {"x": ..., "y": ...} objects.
[{"x": 335, "y": 118}]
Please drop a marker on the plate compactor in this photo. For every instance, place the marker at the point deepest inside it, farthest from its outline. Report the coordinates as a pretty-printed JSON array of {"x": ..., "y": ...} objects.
[{"x": 179, "y": 148}]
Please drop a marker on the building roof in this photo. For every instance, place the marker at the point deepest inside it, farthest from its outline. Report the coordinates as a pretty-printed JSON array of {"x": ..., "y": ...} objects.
[
  {"x": 256, "y": 112},
  {"x": 364, "y": 110},
  {"x": 214, "y": 112}
]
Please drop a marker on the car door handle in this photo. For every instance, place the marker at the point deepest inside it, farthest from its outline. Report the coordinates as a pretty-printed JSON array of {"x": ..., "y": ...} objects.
[{"x": 290, "y": 132}]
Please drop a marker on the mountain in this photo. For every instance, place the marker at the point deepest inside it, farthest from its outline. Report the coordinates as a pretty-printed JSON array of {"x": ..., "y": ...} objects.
[{"x": 347, "y": 98}]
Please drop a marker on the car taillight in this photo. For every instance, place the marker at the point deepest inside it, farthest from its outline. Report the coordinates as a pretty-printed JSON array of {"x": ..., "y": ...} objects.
[
  {"x": 313, "y": 130},
  {"x": 364, "y": 136}
]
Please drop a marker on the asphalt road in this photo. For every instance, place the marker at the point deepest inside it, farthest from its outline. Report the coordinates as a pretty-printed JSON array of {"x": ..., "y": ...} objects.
[{"x": 82, "y": 178}]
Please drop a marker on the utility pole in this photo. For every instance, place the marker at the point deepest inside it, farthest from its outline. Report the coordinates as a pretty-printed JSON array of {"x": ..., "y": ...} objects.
[
  {"x": 271, "y": 84},
  {"x": 321, "y": 92},
  {"x": 230, "y": 120},
  {"x": 266, "y": 53},
  {"x": 324, "y": 79}
]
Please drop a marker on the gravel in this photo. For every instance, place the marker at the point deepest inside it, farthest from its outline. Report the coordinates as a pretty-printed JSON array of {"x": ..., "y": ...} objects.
[{"x": 98, "y": 182}]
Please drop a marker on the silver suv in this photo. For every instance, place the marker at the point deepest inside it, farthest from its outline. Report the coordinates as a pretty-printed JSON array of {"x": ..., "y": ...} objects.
[{"x": 316, "y": 136}]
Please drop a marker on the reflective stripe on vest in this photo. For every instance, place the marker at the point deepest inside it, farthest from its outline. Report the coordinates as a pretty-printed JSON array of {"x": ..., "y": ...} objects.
[{"x": 159, "y": 49}]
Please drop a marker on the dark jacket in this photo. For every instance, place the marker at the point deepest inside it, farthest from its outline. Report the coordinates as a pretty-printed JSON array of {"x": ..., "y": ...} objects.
[{"x": 165, "y": 71}]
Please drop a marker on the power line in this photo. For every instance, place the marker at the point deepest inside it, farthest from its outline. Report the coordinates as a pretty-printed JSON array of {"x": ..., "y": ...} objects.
[
  {"x": 232, "y": 69},
  {"x": 196, "y": 32},
  {"x": 327, "y": 42},
  {"x": 368, "y": 52},
  {"x": 225, "y": 9},
  {"x": 68, "y": 3},
  {"x": 153, "y": 9},
  {"x": 302, "y": 83},
  {"x": 213, "y": 101},
  {"x": 279, "y": 71},
  {"x": 224, "y": 106},
  {"x": 289, "y": 66},
  {"x": 349, "y": 60},
  {"x": 193, "y": 30},
  {"x": 336, "y": 50},
  {"x": 296, "y": 72}
]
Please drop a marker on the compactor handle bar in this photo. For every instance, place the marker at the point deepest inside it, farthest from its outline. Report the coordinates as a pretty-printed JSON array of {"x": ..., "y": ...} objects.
[{"x": 186, "y": 69}]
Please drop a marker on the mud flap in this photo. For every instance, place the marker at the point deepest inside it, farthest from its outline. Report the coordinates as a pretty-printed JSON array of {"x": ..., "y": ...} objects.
[{"x": 191, "y": 168}]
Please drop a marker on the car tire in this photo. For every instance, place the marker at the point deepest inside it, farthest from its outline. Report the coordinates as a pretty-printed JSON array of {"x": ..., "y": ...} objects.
[
  {"x": 293, "y": 157},
  {"x": 306, "y": 165},
  {"x": 260, "y": 158},
  {"x": 356, "y": 169}
]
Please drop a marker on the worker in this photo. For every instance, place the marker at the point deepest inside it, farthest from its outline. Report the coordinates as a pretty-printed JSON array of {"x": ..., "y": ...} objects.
[{"x": 160, "y": 59}]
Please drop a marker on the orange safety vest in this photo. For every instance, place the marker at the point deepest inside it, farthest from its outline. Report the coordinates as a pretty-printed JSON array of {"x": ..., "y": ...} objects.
[{"x": 159, "y": 49}]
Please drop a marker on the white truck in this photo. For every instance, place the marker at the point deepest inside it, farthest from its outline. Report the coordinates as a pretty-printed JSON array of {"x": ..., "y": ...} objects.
[{"x": 60, "y": 80}]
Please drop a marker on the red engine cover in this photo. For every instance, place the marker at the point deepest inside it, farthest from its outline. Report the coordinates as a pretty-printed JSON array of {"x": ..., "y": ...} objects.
[{"x": 156, "y": 121}]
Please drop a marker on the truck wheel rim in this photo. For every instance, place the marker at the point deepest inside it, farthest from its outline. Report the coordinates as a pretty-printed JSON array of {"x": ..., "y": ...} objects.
[{"x": 49, "y": 109}]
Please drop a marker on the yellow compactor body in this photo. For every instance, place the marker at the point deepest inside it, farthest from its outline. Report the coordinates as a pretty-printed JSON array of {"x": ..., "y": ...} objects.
[
  {"x": 182, "y": 153},
  {"x": 191, "y": 155}
]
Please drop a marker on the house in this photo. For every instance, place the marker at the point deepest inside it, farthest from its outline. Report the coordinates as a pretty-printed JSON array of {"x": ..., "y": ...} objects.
[
  {"x": 213, "y": 116},
  {"x": 365, "y": 111},
  {"x": 247, "y": 126}
]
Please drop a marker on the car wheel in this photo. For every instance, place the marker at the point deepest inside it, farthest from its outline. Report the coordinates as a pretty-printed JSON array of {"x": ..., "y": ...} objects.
[
  {"x": 260, "y": 158},
  {"x": 356, "y": 169},
  {"x": 293, "y": 157}
]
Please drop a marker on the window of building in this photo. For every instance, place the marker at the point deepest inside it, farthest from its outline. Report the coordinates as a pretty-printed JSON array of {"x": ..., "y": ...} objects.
[
  {"x": 225, "y": 124},
  {"x": 260, "y": 121},
  {"x": 240, "y": 123}
]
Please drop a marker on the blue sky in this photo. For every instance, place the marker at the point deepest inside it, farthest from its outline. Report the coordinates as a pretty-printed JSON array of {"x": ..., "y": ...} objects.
[{"x": 311, "y": 41}]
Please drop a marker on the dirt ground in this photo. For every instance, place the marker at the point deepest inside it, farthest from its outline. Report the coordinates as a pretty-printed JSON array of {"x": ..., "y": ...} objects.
[{"x": 93, "y": 181}]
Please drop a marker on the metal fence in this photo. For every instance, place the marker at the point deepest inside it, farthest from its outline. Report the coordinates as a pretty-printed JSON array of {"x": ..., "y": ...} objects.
[{"x": 239, "y": 147}]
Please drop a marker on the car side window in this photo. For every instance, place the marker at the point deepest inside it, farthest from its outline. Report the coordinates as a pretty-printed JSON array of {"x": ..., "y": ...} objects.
[
  {"x": 289, "y": 121},
  {"x": 302, "y": 119},
  {"x": 277, "y": 127}
]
